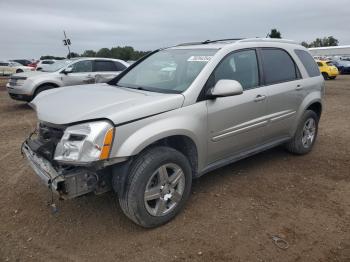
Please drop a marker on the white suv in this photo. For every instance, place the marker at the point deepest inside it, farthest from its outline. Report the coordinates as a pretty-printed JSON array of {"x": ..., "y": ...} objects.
[{"x": 25, "y": 86}]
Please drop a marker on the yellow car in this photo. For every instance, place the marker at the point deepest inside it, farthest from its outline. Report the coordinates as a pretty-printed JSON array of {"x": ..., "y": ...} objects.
[{"x": 328, "y": 70}]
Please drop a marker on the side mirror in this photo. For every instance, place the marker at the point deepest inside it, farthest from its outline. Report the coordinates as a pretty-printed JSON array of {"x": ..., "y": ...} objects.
[
  {"x": 67, "y": 70},
  {"x": 224, "y": 88}
]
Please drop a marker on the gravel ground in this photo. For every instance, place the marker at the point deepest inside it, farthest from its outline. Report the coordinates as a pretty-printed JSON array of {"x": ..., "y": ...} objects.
[{"x": 232, "y": 213}]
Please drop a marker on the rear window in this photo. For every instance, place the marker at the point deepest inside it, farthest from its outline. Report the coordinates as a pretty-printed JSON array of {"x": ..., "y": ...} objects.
[
  {"x": 101, "y": 66},
  {"x": 278, "y": 66},
  {"x": 308, "y": 62}
]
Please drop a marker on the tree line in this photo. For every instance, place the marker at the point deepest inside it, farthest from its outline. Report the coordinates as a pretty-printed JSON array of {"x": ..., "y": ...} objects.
[
  {"x": 318, "y": 42},
  {"x": 125, "y": 53}
]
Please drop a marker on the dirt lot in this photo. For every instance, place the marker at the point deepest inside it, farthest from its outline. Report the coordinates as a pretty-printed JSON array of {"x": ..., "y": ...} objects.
[
  {"x": 231, "y": 215},
  {"x": 3, "y": 81}
]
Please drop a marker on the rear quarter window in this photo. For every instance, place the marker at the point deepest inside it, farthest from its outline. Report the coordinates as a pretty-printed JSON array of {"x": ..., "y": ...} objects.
[{"x": 308, "y": 62}]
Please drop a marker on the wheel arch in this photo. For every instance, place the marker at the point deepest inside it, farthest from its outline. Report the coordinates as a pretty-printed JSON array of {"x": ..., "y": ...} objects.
[
  {"x": 181, "y": 141},
  {"x": 53, "y": 84},
  {"x": 315, "y": 106},
  {"x": 183, "y": 144},
  {"x": 311, "y": 102}
]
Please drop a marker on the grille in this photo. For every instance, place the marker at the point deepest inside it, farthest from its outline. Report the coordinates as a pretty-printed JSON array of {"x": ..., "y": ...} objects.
[
  {"x": 48, "y": 133},
  {"x": 45, "y": 140}
]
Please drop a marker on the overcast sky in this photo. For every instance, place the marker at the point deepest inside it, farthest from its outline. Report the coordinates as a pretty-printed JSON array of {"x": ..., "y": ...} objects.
[{"x": 31, "y": 28}]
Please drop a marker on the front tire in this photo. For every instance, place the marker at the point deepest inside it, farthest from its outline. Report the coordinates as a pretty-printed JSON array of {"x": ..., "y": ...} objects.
[
  {"x": 19, "y": 71},
  {"x": 158, "y": 187},
  {"x": 325, "y": 76},
  {"x": 305, "y": 136}
]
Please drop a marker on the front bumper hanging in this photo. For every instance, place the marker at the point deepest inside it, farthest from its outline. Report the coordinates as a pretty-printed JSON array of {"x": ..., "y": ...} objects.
[{"x": 68, "y": 183}]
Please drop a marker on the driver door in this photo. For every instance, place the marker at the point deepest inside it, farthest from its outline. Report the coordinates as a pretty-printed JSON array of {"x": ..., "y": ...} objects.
[
  {"x": 237, "y": 123},
  {"x": 81, "y": 73}
]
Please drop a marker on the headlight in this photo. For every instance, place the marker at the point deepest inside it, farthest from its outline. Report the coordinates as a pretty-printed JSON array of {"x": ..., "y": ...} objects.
[{"x": 85, "y": 142}]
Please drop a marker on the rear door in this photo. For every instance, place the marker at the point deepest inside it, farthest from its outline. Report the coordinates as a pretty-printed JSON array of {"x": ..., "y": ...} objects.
[
  {"x": 236, "y": 123},
  {"x": 106, "y": 70},
  {"x": 285, "y": 91}
]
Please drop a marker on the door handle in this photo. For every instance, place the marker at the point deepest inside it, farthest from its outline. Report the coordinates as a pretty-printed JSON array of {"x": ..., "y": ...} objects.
[
  {"x": 299, "y": 87},
  {"x": 259, "y": 98}
]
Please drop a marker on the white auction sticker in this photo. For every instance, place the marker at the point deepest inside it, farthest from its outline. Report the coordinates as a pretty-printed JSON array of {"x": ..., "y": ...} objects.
[{"x": 199, "y": 58}]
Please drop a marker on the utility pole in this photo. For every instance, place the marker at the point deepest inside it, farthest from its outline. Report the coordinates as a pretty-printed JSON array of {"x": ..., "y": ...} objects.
[{"x": 66, "y": 42}]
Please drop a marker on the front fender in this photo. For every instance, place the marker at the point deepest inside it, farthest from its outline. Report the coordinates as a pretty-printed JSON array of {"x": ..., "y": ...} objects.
[{"x": 190, "y": 121}]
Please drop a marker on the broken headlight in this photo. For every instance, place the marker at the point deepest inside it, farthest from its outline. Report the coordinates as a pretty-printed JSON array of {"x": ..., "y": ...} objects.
[{"x": 85, "y": 142}]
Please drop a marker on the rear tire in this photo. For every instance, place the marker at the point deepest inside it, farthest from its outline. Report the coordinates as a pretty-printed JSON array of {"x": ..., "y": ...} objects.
[
  {"x": 325, "y": 76},
  {"x": 305, "y": 136},
  {"x": 149, "y": 199}
]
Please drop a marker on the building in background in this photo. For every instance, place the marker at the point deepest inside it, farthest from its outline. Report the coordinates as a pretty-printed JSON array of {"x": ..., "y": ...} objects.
[{"x": 331, "y": 51}]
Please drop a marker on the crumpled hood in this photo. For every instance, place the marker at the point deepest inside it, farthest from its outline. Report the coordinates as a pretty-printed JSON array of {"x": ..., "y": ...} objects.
[{"x": 71, "y": 104}]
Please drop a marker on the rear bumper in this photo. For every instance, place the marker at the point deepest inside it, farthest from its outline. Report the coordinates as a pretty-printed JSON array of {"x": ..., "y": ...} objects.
[
  {"x": 18, "y": 93},
  {"x": 20, "y": 97}
]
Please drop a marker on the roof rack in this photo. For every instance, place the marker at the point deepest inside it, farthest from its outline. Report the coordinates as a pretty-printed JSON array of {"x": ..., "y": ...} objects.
[
  {"x": 276, "y": 40},
  {"x": 240, "y": 40},
  {"x": 210, "y": 41}
]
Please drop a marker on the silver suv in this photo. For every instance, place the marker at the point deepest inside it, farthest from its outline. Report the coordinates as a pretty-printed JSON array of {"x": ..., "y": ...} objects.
[
  {"x": 25, "y": 86},
  {"x": 173, "y": 116}
]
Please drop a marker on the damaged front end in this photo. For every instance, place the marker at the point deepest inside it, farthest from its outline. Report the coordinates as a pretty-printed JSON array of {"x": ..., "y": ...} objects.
[{"x": 67, "y": 179}]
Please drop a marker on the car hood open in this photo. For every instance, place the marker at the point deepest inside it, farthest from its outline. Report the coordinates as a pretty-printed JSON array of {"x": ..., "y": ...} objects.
[{"x": 71, "y": 104}]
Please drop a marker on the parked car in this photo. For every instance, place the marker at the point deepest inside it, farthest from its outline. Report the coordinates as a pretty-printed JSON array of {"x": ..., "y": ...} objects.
[
  {"x": 147, "y": 137},
  {"x": 42, "y": 65},
  {"x": 23, "y": 62},
  {"x": 26, "y": 86},
  {"x": 328, "y": 70},
  {"x": 34, "y": 63},
  {"x": 342, "y": 65},
  {"x": 8, "y": 68}
]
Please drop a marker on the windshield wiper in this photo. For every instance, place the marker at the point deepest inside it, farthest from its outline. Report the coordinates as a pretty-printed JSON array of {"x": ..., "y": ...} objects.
[
  {"x": 152, "y": 89},
  {"x": 136, "y": 87}
]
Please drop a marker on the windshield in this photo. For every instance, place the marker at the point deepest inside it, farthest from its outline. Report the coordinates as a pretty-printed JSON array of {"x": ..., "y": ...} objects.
[
  {"x": 56, "y": 66},
  {"x": 168, "y": 71}
]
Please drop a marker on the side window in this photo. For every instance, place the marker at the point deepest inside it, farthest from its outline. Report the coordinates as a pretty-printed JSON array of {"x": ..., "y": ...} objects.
[
  {"x": 319, "y": 64},
  {"x": 308, "y": 62},
  {"x": 105, "y": 66},
  {"x": 241, "y": 66},
  {"x": 82, "y": 66},
  {"x": 120, "y": 66},
  {"x": 278, "y": 66}
]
